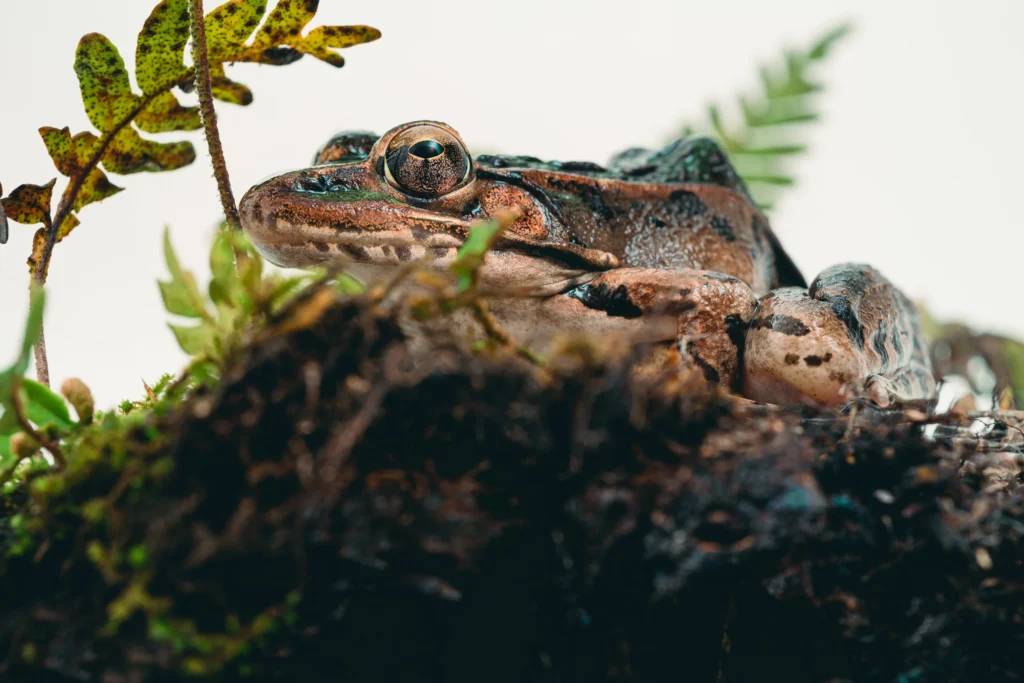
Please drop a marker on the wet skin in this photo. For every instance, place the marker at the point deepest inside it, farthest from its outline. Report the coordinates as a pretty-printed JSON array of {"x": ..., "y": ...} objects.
[{"x": 653, "y": 236}]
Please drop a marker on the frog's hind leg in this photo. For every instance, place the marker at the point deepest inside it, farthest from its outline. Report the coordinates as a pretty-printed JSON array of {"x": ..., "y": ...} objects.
[
  {"x": 850, "y": 333},
  {"x": 707, "y": 313}
]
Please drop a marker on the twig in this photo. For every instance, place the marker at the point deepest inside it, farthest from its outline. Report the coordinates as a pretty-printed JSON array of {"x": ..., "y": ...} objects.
[
  {"x": 204, "y": 88},
  {"x": 26, "y": 426}
]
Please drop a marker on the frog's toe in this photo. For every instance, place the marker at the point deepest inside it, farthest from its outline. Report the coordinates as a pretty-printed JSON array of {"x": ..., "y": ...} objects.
[{"x": 792, "y": 355}]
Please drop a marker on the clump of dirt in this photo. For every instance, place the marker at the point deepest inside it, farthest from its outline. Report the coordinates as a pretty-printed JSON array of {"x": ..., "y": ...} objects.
[{"x": 344, "y": 509}]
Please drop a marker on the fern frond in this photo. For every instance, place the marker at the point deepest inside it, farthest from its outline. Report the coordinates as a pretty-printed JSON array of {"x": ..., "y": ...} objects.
[{"x": 766, "y": 137}]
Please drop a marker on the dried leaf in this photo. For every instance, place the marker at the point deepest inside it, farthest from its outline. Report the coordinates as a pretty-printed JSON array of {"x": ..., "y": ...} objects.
[
  {"x": 159, "y": 55},
  {"x": 103, "y": 79},
  {"x": 164, "y": 113},
  {"x": 29, "y": 203},
  {"x": 95, "y": 188},
  {"x": 58, "y": 144},
  {"x": 229, "y": 26},
  {"x": 129, "y": 152},
  {"x": 38, "y": 245},
  {"x": 227, "y": 90},
  {"x": 67, "y": 225},
  {"x": 3, "y": 220}
]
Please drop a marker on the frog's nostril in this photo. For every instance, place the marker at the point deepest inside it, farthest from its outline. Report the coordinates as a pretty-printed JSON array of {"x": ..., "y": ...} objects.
[{"x": 427, "y": 149}]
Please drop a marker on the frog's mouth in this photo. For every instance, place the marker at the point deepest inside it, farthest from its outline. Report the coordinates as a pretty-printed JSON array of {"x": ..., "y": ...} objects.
[{"x": 375, "y": 234}]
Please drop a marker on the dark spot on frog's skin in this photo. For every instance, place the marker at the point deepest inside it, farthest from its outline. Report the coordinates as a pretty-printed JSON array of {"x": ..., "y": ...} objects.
[
  {"x": 897, "y": 344},
  {"x": 577, "y": 241},
  {"x": 591, "y": 196},
  {"x": 403, "y": 252},
  {"x": 815, "y": 361},
  {"x": 579, "y": 166},
  {"x": 472, "y": 207},
  {"x": 438, "y": 252},
  {"x": 880, "y": 337},
  {"x": 657, "y": 222},
  {"x": 722, "y": 277},
  {"x": 710, "y": 373},
  {"x": 321, "y": 246},
  {"x": 687, "y": 202},
  {"x": 722, "y": 227},
  {"x": 356, "y": 252},
  {"x": 736, "y": 329},
  {"x": 842, "y": 309},
  {"x": 758, "y": 227},
  {"x": 783, "y": 324},
  {"x": 792, "y": 359},
  {"x": 615, "y": 303},
  {"x": 640, "y": 171},
  {"x": 685, "y": 292}
]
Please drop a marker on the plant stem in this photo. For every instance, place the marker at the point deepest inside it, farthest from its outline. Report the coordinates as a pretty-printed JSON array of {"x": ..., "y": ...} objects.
[
  {"x": 204, "y": 88},
  {"x": 42, "y": 364}
]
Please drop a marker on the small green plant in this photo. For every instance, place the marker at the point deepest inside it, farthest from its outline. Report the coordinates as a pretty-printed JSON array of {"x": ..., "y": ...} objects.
[
  {"x": 33, "y": 416},
  {"x": 238, "y": 300},
  {"x": 120, "y": 114},
  {"x": 766, "y": 139}
]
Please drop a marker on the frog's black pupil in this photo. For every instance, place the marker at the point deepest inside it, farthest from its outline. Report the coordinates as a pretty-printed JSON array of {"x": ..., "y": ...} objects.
[{"x": 427, "y": 149}]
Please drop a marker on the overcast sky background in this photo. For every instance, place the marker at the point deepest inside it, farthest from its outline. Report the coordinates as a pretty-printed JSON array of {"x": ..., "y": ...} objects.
[{"x": 915, "y": 168}]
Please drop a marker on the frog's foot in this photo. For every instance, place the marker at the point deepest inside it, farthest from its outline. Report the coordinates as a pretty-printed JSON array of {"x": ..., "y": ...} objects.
[
  {"x": 706, "y": 313},
  {"x": 850, "y": 334}
]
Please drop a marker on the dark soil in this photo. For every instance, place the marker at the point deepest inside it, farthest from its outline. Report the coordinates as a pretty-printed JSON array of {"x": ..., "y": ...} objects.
[{"x": 340, "y": 510}]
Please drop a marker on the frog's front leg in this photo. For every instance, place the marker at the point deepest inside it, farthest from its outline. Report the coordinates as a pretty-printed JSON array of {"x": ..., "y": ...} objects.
[
  {"x": 709, "y": 312},
  {"x": 851, "y": 331}
]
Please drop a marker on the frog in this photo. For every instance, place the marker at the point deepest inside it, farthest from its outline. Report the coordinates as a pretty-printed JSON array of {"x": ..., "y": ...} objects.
[{"x": 664, "y": 245}]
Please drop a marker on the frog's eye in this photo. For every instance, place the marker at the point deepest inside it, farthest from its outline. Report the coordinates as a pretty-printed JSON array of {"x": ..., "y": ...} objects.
[{"x": 426, "y": 161}]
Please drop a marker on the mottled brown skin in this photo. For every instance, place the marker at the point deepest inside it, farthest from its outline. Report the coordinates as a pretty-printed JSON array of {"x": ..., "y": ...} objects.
[{"x": 610, "y": 249}]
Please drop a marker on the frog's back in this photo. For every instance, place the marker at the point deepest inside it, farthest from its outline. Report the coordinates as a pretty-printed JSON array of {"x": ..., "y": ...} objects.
[{"x": 683, "y": 206}]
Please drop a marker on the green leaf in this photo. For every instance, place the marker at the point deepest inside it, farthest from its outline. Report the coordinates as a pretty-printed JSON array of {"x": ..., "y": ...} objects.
[
  {"x": 229, "y": 26},
  {"x": 289, "y": 18},
  {"x": 164, "y": 114},
  {"x": 763, "y": 143},
  {"x": 10, "y": 376},
  {"x": 159, "y": 54},
  {"x": 181, "y": 295},
  {"x": 225, "y": 285},
  {"x": 474, "y": 249},
  {"x": 821, "y": 49},
  {"x": 29, "y": 203},
  {"x": 129, "y": 152},
  {"x": 192, "y": 340},
  {"x": 43, "y": 407},
  {"x": 177, "y": 300},
  {"x": 322, "y": 40},
  {"x": 103, "y": 80}
]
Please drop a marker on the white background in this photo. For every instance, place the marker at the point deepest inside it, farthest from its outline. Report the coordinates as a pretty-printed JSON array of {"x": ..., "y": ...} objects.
[{"x": 916, "y": 166}]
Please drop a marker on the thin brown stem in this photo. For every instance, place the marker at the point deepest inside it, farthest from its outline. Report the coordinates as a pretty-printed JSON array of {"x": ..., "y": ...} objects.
[
  {"x": 204, "y": 89},
  {"x": 42, "y": 364}
]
